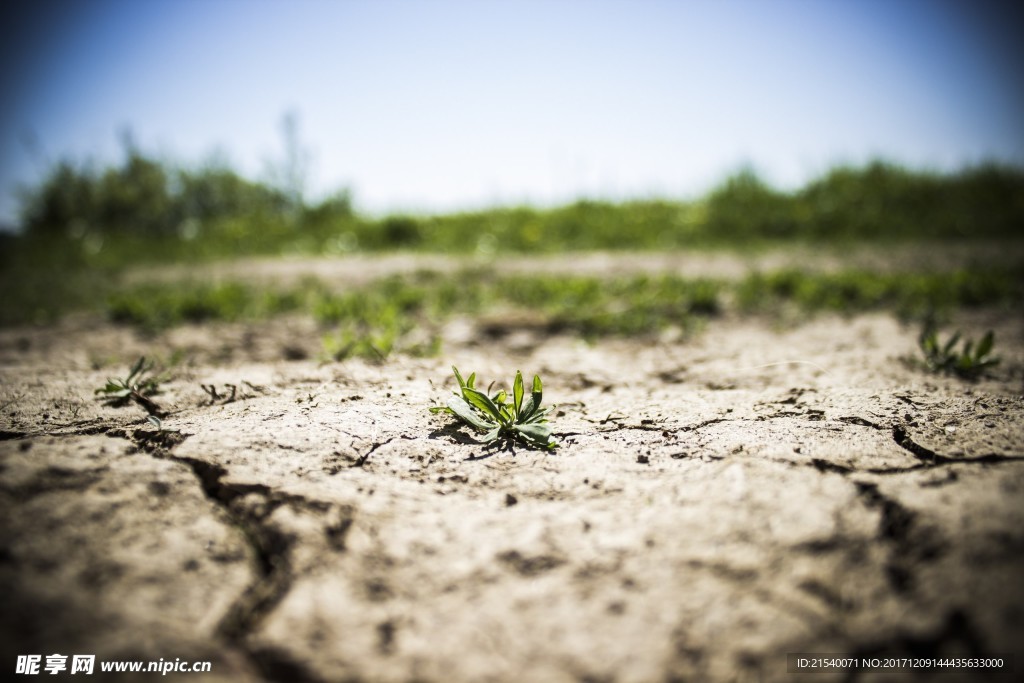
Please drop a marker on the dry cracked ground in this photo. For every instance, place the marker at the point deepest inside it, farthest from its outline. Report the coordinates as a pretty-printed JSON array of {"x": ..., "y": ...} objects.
[{"x": 717, "y": 502}]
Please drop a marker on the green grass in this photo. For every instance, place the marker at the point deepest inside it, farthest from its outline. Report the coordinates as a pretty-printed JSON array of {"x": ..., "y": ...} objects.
[
  {"x": 154, "y": 307},
  {"x": 405, "y": 314},
  {"x": 381, "y": 313},
  {"x": 911, "y": 295}
]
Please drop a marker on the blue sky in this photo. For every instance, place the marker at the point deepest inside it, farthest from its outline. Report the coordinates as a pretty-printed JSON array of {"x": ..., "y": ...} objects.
[{"x": 444, "y": 104}]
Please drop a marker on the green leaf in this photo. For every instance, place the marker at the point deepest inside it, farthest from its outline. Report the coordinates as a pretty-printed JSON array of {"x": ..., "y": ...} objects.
[
  {"x": 491, "y": 435},
  {"x": 538, "y": 433},
  {"x": 472, "y": 380},
  {"x": 479, "y": 400},
  {"x": 538, "y": 416},
  {"x": 458, "y": 376},
  {"x": 985, "y": 347},
  {"x": 535, "y": 430},
  {"x": 136, "y": 368},
  {"x": 927, "y": 337},
  {"x": 948, "y": 348},
  {"x": 536, "y": 395},
  {"x": 517, "y": 393},
  {"x": 529, "y": 407},
  {"x": 465, "y": 412},
  {"x": 507, "y": 416}
]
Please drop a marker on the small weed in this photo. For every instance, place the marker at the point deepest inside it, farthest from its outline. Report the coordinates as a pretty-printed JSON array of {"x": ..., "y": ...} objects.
[
  {"x": 361, "y": 341},
  {"x": 137, "y": 387},
  {"x": 969, "y": 362},
  {"x": 308, "y": 400},
  {"x": 71, "y": 406},
  {"x": 502, "y": 416},
  {"x": 230, "y": 392}
]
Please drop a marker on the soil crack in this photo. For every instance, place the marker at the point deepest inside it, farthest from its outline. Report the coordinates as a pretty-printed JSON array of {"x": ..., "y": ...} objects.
[
  {"x": 271, "y": 549},
  {"x": 649, "y": 425},
  {"x": 930, "y": 458},
  {"x": 910, "y": 542},
  {"x": 361, "y": 460}
]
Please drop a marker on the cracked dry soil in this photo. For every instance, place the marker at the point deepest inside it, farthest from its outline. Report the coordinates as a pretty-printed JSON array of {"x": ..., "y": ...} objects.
[{"x": 712, "y": 508}]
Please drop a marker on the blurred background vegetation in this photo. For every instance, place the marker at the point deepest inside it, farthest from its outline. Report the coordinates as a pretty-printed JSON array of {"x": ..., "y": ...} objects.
[
  {"x": 149, "y": 210},
  {"x": 83, "y": 225}
]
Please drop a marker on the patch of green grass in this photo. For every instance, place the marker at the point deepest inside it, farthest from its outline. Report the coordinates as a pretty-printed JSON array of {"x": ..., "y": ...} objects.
[
  {"x": 154, "y": 307},
  {"x": 511, "y": 417},
  {"x": 42, "y": 294},
  {"x": 402, "y": 314},
  {"x": 911, "y": 295},
  {"x": 405, "y": 314},
  {"x": 596, "y": 307},
  {"x": 374, "y": 321},
  {"x": 378, "y": 336}
]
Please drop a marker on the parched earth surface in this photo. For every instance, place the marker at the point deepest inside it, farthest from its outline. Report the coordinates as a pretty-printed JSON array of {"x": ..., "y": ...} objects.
[{"x": 717, "y": 502}]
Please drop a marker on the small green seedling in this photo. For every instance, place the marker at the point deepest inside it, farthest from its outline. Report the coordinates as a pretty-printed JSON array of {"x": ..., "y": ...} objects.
[
  {"x": 513, "y": 418},
  {"x": 138, "y": 386},
  {"x": 969, "y": 362}
]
